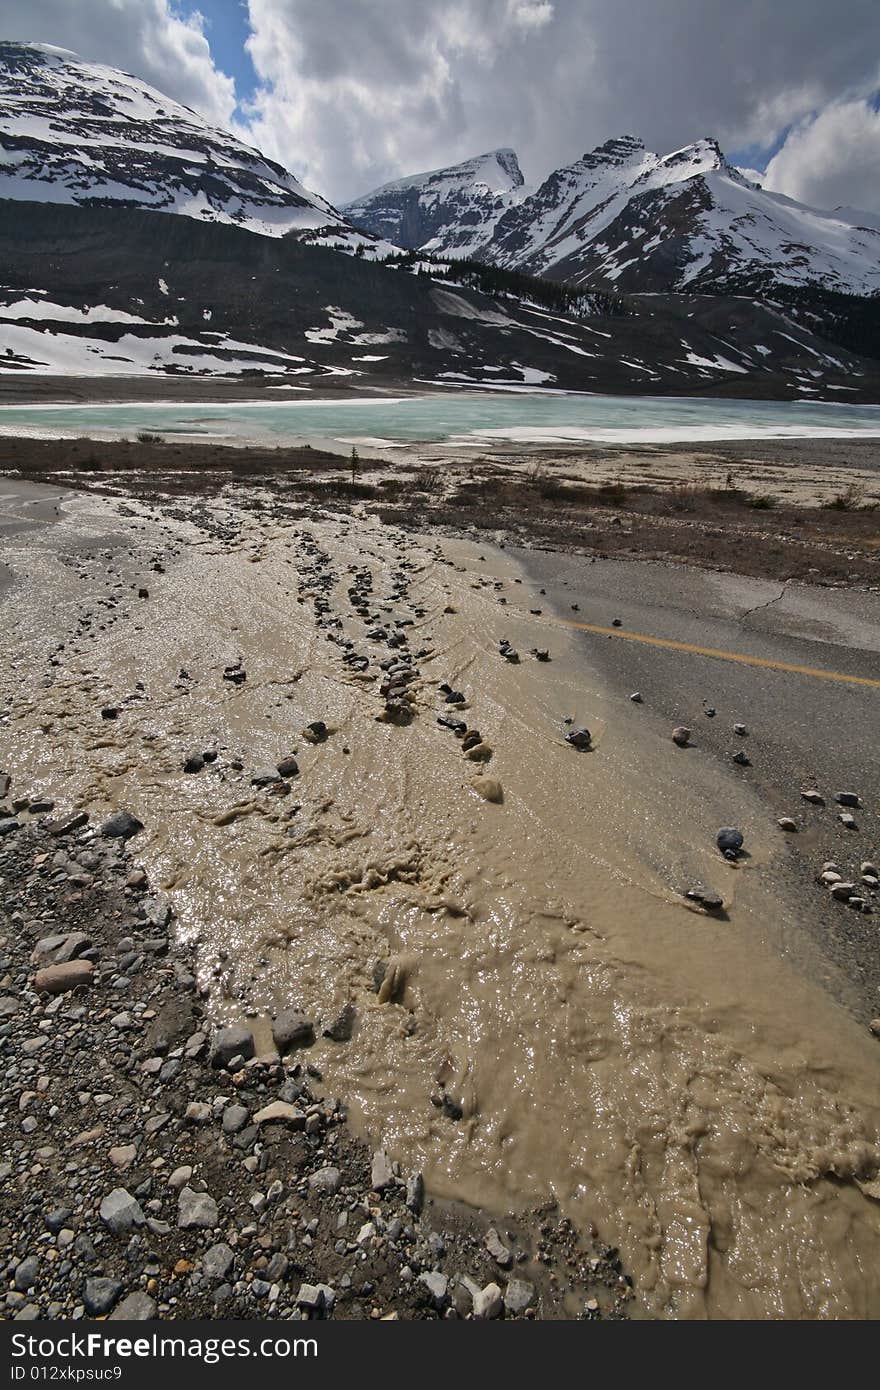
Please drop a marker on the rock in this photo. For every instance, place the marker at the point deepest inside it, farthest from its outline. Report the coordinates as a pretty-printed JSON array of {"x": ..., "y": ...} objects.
[
  {"x": 636, "y": 697},
  {"x": 786, "y": 823},
  {"x": 342, "y": 1026},
  {"x": 848, "y": 799},
  {"x": 58, "y": 979},
  {"x": 288, "y": 767},
  {"x": 180, "y": 1177},
  {"x": 26, "y": 1273},
  {"x": 316, "y": 732},
  {"x": 489, "y": 788},
  {"x": 235, "y": 1117},
  {"x": 518, "y": 1296},
  {"x": 69, "y": 824},
  {"x": 194, "y": 764},
  {"x": 8, "y": 826},
  {"x": 730, "y": 841},
  {"x": 479, "y": 753},
  {"x": 741, "y": 730},
  {"x": 232, "y": 1041},
  {"x": 198, "y": 1112},
  {"x": 579, "y": 738},
  {"x": 281, "y": 1112},
  {"x": 847, "y": 820},
  {"x": 706, "y": 897},
  {"x": 264, "y": 777},
  {"x": 381, "y": 1172},
  {"x": 291, "y": 1028},
  {"x": 842, "y": 891},
  {"x": 741, "y": 759},
  {"x": 217, "y": 1262},
  {"x": 488, "y": 1302},
  {"x": 99, "y": 1295},
  {"x": 681, "y": 735},
  {"x": 120, "y": 1211},
  {"x": 497, "y": 1249},
  {"x": 874, "y": 1027},
  {"x": 866, "y": 867},
  {"x": 136, "y": 1307},
  {"x": 438, "y": 1287},
  {"x": 815, "y": 798},
  {"x": 415, "y": 1193},
  {"x": 326, "y": 1181},
  {"x": 316, "y": 1298},
  {"x": 123, "y": 1155},
  {"x": 121, "y": 826},
  {"x": 196, "y": 1210}
]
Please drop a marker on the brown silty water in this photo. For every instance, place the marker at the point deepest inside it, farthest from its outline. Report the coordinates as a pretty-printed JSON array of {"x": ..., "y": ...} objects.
[{"x": 667, "y": 1075}]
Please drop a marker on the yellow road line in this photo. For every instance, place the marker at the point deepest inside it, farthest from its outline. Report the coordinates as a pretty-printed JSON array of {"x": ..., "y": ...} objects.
[{"x": 724, "y": 656}]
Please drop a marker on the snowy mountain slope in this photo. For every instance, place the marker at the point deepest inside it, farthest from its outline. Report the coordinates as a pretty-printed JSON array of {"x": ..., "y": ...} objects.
[
  {"x": 78, "y": 132},
  {"x": 149, "y": 294},
  {"x": 624, "y": 218},
  {"x": 450, "y": 211}
]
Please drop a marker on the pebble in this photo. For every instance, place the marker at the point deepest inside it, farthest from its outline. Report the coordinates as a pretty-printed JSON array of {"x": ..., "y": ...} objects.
[
  {"x": 681, "y": 735},
  {"x": 730, "y": 841},
  {"x": 489, "y": 788},
  {"x": 518, "y": 1296},
  {"x": 120, "y": 1211},
  {"x": 786, "y": 823},
  {"x": 497, "y": 1249},
  {"x": 228, "y": 1043},
  {"x": 217, "y": 1262},
  {"x": 488, "y": 1302},
  {"x": 136, "y": 1307},
  {"x": 122, "y": 826},
  {"x": 59, "y": 979},
  {"x": 99, "y": 1295},
  {"x": 291, "y": 1028},
  {"x": 382, "y": 1172}
]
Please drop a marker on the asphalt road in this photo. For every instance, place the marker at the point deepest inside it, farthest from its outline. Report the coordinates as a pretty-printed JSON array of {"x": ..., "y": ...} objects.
[{"x": 804, "y": 730}]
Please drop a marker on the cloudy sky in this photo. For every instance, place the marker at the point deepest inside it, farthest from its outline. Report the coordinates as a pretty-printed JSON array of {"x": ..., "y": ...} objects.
[{"x": 350, "y": 93}]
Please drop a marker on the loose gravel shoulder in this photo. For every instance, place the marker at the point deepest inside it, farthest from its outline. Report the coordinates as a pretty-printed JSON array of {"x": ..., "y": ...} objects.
[{"x": 155, "y": 1168}]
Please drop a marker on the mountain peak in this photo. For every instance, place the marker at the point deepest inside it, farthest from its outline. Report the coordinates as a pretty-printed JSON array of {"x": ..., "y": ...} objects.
[{"x": 73, "y": 131}]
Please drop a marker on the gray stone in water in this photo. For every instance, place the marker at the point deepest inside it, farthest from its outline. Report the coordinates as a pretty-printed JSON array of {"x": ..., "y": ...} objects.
[
  {"x": 232, "y": 1041},
  {"x": 848, "y": 799},
  {"x": 121, "y": 826},
  {"x": 415, "y": 1193},
  {"x": 730, "y": 841},
  {"x": 291, "y": 1028},
  {"x": 341, "y": 1027}
]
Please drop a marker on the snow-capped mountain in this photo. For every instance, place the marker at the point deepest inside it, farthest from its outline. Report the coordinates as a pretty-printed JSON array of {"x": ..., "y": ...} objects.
[
  {"x": 625, "y": 217},
  {"x": 78, "y": 132},
  {"x": 451, "y": 211}
]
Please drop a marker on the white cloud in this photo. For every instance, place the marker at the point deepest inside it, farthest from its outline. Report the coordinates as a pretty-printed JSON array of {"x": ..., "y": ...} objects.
[
  {"x": 353, "y": 92},
  {"x": 144, "y": 37},
  {"x": 831, "y": 159}
]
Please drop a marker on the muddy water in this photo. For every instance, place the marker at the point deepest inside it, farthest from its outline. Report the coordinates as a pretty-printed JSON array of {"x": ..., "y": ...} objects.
[{"x": 664, "y": 1074}]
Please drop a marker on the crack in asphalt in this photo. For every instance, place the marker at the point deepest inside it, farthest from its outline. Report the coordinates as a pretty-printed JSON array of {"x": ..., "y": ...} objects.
[{"x": 769, "y": 604}]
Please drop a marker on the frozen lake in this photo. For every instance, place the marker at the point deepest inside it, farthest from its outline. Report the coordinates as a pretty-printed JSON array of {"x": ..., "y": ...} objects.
[{"x": 460, "y": 419}]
